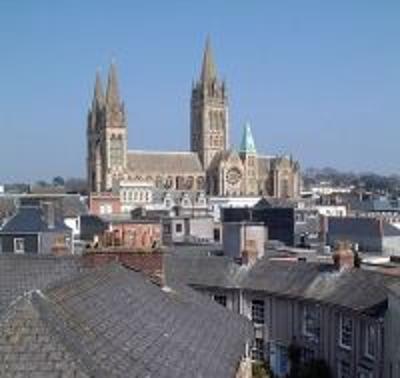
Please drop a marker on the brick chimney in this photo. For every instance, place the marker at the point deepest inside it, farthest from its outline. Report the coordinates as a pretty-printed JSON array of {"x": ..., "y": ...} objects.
[
  {"x": 343, "y": 256},
  {"x": 49, "y": 214},
  {"x": 148, "y": 262}
]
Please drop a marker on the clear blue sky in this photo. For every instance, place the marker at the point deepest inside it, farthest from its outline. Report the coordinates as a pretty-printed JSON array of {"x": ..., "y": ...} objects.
[{"x": 318, "y": 79}]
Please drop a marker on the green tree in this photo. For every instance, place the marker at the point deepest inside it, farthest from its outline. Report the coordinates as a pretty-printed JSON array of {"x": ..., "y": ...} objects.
[{"x": 58, "y": 181}]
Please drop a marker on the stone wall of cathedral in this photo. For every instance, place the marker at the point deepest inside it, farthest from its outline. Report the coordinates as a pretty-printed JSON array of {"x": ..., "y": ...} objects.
[{"x": 211, "y": 165}]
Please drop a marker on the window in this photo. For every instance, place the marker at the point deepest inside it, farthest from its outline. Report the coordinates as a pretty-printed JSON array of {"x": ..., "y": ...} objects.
[
  {"x": 311, "y": 320},
  {"x": 116, "y": 151},
  {"x": 257, "y": 352},
  {"x": 257, "y": 311},
  {"x": 344, "y": 370},
  {"x": 105, "y": 208},
  {"x": 167, "y": 228},
  {"x": 221, "y": 299},
  {"x": 178, "y": 228},
  {"x": 370, "y": 341},
  {"x": 346, "y": 331},
  {"x": 19, "y": 245}
]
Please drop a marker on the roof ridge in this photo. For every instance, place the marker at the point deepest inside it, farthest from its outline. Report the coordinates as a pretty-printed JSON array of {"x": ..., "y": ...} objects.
[{"x": 162, "y": 152}]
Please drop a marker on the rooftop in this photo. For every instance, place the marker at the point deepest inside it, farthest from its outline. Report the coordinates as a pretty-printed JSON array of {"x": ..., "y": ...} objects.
[
  {"x": 113, "y": 322},
  {"x": 358, "y": 289}
]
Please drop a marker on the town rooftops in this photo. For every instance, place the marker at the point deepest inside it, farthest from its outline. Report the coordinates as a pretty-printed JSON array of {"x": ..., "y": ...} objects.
[
  {"x": 356, "y": 289},
  {"x": 113, "y": 322},
  {"x": 371, "y": 227}
]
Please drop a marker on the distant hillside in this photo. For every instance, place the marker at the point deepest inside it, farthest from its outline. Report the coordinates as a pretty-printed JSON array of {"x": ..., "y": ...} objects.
[{"x": 365, "y": 180}]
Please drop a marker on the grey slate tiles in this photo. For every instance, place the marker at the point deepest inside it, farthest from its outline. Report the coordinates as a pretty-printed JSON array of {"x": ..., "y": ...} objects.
[{"x": 113, "y": 322}]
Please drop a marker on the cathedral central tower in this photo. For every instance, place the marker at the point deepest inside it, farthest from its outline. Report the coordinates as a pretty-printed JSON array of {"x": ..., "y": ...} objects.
[{"x": 209, "y": 112}]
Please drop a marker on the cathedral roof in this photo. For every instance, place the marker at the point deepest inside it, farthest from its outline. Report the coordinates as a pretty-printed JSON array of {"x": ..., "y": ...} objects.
[
  {"x": 225, "y": 156},
  {"x": 248, "y": 146},
  {"x": 148, "y": 162}
]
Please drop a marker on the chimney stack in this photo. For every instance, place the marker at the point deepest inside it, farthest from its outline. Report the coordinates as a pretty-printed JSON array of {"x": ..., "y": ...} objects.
[
  {"x": 343, "y": 256},
  {"x": 49, "y": 214}
]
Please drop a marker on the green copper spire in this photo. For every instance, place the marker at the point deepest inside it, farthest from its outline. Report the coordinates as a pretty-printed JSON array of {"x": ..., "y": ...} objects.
[{"x": 248, "y": 146}]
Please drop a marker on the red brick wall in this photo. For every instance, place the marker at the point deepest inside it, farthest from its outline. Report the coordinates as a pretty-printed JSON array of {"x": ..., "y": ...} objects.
[
  {"x": 138, "y": 235},
  {"x": 98, "y": 200},
  {"x": 150, "y": 263}
]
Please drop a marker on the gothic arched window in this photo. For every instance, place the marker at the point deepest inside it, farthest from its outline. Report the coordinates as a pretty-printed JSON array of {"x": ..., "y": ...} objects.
[
  {"x": 116, "y": 150},
  {"x": 169, "y": 182},
  {"x": 189, "y": 183},
  {"x": 200, "y": 183},
  {"x": 159, "y": 182}
]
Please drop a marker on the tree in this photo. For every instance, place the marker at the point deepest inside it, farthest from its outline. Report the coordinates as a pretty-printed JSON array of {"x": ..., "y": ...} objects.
[{"x": 58, "y": 181}]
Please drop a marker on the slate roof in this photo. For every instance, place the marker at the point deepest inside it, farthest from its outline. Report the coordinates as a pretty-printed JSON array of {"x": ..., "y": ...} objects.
[
  {"x": 92, "y": 225},
  {"x": 147, "y": 162},
  {"x": 31, "y": 219},
  {"x": 22, "y": 273},
  {"x": 359, "y": 290},
  {"x": 200, "y": 270},
  {"x": 359, "y": 226},
  {"x": 112, "y": 322},
  {"x": 72, "y": 206},
  {"x": 390, "y": 230}
]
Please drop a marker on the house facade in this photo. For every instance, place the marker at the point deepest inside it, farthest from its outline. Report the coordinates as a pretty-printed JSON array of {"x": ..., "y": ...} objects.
[
  {"x": 33, "y": 230},
  {"x": 321, "y": 311}
]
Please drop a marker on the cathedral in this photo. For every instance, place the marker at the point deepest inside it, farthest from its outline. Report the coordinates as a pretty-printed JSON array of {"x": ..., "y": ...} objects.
[{"x": 211, "y": 166}]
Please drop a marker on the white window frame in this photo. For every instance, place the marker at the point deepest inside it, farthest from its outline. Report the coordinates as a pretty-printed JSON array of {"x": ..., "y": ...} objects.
[
  {"x": 368, "y": 327},
  {"x": 315, "y": 310},
  {"x": 18, "y": 250},
  {"x": 258, "y": 308},
  {"x": 342, "y": 318}
]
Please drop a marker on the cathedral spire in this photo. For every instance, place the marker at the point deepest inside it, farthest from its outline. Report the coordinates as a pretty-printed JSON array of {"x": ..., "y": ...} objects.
[
  {"x": 112, "y": 95},
  {"x": 98, "y": 96},
  {"x": 208, "y": 70},
  {"x": 248, "y": 146}
]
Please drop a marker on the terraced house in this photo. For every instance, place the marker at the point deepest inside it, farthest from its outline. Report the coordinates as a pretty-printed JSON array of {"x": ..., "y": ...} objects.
[{"x": 331, "y": 312}]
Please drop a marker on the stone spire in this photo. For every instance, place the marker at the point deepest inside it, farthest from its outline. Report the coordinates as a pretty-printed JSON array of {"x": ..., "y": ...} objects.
[
  {"x": 208, "y": 70},
  {"x": 248, "y": 146},
  {"x": 98, "y": 96},
  {"x": 112, "y": 95}
]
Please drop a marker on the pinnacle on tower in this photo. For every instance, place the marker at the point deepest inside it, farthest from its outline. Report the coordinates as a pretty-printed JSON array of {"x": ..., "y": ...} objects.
[
  {"x": 208, "y": 71},
  {"x": 112, "y": 95},
  {"x": 248, "y": 146}
]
